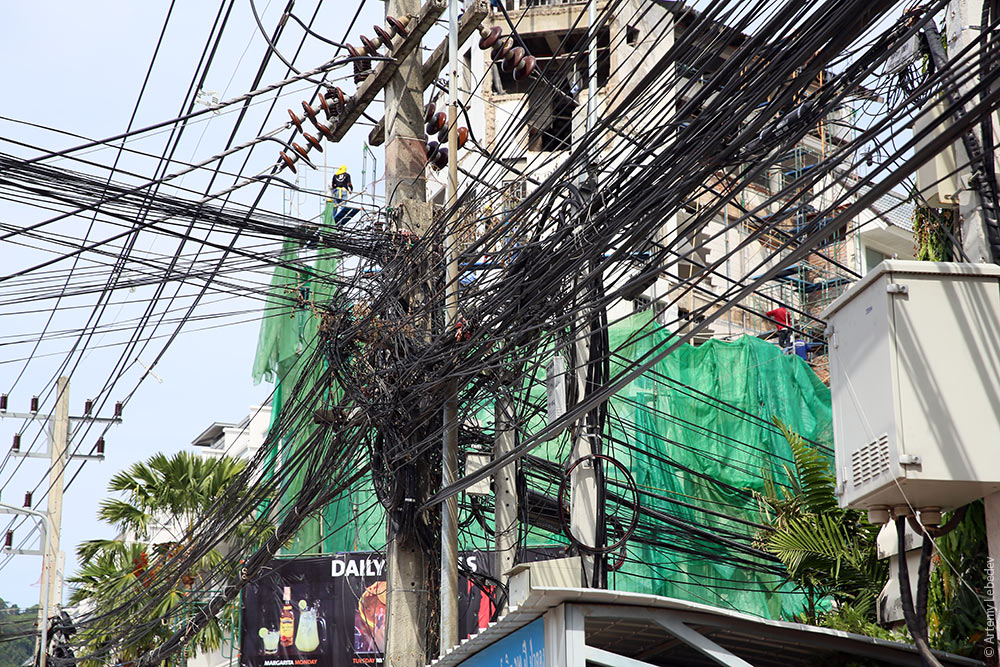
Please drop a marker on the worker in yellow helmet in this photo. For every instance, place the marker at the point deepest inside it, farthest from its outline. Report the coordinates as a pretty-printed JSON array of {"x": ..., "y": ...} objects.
[
  {"x": 339, "y": 187},
  {"x": 341, "y": 181}
]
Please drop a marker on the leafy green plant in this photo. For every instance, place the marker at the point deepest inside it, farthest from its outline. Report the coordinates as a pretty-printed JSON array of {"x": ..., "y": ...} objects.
[
  {"x": 933, "y": 231},
  {"x": 957, "y": 611},
  {"x": 828, "y": 552},
  {"x": 140, "y": 575}
]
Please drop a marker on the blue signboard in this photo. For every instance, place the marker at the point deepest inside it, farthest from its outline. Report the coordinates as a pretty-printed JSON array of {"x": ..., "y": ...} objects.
[{"x": 523, "y": 648}]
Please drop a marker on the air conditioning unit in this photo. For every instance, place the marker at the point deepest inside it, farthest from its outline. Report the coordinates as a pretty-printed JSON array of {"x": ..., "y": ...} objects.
[{"x": 915, "y": 380}]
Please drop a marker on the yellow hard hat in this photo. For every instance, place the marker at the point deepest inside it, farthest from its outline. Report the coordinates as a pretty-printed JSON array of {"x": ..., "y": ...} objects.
[{"x": 342, "y": 170}]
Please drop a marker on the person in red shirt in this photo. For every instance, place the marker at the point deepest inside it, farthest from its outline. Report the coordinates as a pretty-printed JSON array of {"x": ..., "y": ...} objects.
[{"x": 780, "y": 317}]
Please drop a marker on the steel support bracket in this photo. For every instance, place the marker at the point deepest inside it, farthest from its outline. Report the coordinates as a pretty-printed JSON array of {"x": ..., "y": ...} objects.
[
  {"x": 378, "y": 79},
  {"x": 472, "y": 17}
]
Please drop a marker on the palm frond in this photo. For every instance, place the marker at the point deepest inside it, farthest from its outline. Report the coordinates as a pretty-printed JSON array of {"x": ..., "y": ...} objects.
[{"x": 814, "y": 472}]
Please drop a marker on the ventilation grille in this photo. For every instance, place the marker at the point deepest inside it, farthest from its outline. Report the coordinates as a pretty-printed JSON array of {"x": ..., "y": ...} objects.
[{"x": 870, "y": 461}]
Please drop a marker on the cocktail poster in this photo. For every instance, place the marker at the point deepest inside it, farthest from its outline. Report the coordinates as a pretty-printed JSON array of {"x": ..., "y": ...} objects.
[{"x": 329, "y": 611}]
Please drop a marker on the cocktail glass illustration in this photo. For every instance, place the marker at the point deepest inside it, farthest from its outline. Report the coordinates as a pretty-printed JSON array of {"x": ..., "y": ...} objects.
[
  {"x": 371, "y": 609},
  {"x": 270, "y": 638}
]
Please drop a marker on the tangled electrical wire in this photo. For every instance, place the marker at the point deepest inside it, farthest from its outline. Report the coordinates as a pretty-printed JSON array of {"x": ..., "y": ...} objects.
[{"x": 539, "y": 277}]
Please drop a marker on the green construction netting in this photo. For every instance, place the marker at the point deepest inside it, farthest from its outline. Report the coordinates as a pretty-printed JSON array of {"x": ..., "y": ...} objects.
[
  {"x": 288, "y": 334},
  {"x": 694, "y": 431},
  {"x": 699, "y": 429}
]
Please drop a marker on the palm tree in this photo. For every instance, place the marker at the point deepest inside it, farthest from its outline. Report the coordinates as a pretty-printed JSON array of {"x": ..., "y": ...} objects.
[
  {"x": 163, "y": 500},
  {"x": 178, "y": 488},
  {"x": 830, "y": 553}
]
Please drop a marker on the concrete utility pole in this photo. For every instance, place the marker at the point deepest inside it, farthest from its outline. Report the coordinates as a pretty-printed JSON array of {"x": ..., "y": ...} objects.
[
  {"x": 449, "y": 446},
  {"x": 962, "y": 28},
  {"x": 592, "y": 65},
  {"x": 406, "y": 563},
  {"x": 976, "y": 210},
  {"x": 60, "y": 438},
  {"x": 53, "y": 560},
  {"x": 583, "y": 479},
  {"x": 405, "y": 151},
  {"x": 505, "y": 480}
]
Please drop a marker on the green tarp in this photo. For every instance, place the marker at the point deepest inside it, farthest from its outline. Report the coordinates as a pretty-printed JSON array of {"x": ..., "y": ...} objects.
[
  {"x": 288, "y": 335},
  {"x": 695, "y": 433},
  {"x": 728, "y": 443}
]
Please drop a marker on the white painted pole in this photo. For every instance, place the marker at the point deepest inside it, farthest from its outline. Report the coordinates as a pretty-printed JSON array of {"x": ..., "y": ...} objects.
[
  {"x": 592, "y": 66},
  {"x": 449, "y": 445},
  {"x": 57, "y": 452},
  {"x": 583, "y": 479},
  {"x": 505, "y": 517},
  {"x": 47, "y": 572}
]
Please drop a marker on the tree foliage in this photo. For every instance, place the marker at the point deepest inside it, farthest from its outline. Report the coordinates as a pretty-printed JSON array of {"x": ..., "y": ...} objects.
[
  {"x": 829, "y": 552},
  {"x": 161, "y": 501},
  {"x": 17, "y": 634}
]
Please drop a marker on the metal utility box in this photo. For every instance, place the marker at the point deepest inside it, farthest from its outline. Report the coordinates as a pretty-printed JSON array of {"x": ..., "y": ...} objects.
[{"x": 915, "y": 378}]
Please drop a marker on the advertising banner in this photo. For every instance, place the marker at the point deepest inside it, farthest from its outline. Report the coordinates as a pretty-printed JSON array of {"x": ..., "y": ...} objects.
[
  {"x": 329, "y": 611},
  {"x": 521, "y": 648}
]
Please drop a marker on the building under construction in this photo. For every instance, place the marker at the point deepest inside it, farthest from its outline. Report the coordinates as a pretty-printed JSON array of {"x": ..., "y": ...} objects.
[
  {"x": 535, "y": 401},
  {"x": 532, "y": 128}
]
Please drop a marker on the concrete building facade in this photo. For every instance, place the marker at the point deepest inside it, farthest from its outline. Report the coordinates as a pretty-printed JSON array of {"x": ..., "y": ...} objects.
[{"x": 533, "y": 128}]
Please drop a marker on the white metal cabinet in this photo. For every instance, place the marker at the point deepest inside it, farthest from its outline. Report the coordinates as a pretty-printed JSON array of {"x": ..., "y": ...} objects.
[{"x": 915, "y": 378}]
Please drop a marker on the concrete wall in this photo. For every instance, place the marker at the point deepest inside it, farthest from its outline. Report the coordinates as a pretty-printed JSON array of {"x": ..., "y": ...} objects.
[{"x": 500, "y": 122}]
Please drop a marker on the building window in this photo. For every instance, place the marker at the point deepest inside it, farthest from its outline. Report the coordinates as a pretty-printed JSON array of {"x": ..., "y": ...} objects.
[
  {"x": 631, "y": 35},
  {"x": 641, "y": 303},
  {"x": 514, "y": 192},
  {"x": 691, "y": 246},
  {"x": 467, "y": 78},
  {"x": 550, "y": 123}
]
